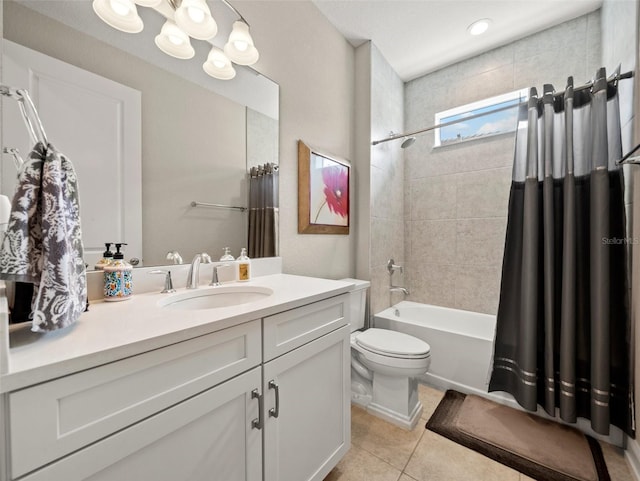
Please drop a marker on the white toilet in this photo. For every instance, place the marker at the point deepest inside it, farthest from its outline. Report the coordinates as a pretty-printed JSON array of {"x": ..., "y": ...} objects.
[{"x": 384, "y": 366}]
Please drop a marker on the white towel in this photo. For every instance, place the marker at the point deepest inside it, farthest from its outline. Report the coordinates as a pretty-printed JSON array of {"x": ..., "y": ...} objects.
[
  {"x": 5, "y": 211},
  {"x": 43, "y": 242}
]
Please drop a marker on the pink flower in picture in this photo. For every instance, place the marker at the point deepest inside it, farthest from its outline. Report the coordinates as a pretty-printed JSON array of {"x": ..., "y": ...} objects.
[{"x": 336, "y": 189}]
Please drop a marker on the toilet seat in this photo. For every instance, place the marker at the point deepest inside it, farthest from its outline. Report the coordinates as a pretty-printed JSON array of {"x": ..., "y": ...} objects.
[{"x": 385, "y": 342}]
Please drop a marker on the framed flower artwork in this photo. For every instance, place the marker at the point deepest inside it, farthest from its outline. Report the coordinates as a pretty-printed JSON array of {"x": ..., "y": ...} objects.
[{"x": 323, "y": 192}]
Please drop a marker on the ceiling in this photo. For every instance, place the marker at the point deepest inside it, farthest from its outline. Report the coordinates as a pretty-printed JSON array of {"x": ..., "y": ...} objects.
[{"x": 420, "y": 36}]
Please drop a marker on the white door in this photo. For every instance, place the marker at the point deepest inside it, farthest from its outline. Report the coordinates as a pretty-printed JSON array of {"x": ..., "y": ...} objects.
[
  {"x": 96, "y": 123},
  {"x": 308, "y": 389},
  {"x": 207, "y": 437}
]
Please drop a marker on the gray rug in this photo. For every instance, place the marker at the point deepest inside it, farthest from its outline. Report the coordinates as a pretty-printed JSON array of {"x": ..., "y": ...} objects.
[{"x": 540, "y": 448}]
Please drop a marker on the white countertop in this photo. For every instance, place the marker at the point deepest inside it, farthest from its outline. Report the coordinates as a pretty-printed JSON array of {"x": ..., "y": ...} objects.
[{"x": 114, "y": 330}]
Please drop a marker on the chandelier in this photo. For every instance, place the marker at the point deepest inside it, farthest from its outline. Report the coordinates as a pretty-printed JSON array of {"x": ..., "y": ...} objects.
[{"x": 191, "y": 19}]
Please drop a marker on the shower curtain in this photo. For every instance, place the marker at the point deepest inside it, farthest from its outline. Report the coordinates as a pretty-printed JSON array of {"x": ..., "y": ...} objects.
[
  {"x": 563, "y": 329},
  {"x": 263, "y": 211}
]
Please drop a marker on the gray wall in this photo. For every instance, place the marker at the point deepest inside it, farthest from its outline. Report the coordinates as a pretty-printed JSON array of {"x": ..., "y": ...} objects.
[
  {"x": 314, "y": 66},
  {"x": 457, "y": 195},
  {"x": 380, "y": 169},
  {"x": 620, "y": 46}
]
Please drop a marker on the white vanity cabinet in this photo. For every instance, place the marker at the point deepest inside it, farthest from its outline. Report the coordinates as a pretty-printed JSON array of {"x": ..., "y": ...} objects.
[
  {"x": 264, "y": 400},
  {"x": 171, "y": 389},
  {"x": 208, "y": 436},
  {"x": 307, "y": 391}
]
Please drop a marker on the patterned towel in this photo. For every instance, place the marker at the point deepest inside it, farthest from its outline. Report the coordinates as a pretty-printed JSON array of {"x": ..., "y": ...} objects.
[{"x": 43, "y": 242}]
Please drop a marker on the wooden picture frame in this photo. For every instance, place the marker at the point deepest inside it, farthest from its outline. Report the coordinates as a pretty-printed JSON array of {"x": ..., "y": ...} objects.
[{"x": 323, "y": 192}]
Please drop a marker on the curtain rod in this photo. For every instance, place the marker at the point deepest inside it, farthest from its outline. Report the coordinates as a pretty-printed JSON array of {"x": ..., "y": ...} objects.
[{"x": 588, "y": 85}]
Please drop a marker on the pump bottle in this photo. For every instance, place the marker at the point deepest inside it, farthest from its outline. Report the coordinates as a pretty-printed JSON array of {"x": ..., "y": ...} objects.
[{"x": 118, "y": 277}]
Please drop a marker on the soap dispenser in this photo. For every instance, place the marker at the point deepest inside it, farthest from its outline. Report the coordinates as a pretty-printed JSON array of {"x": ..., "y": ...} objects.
[
  {"x": 107, "y": 257},
  {"x": 227, "y": 257},
  {"x": 244, "y": 266},
  {"x": 118, "y": 279}
]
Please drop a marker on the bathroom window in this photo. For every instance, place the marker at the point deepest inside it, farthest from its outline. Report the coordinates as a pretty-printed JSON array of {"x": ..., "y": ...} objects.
[{"x": 476, "y": 126}]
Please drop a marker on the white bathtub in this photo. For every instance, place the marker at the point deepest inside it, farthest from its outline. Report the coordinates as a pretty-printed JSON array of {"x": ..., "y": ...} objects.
[
  {"x": 461, "y": 349},
  {"x": 461, "y": 342}
]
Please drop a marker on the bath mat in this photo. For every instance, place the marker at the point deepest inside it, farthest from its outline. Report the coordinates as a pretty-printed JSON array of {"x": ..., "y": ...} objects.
[{"x": 540, "y": 448}]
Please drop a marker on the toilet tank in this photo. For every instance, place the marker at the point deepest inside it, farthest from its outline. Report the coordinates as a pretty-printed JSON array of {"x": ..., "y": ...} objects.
[{"x": 358, "y": 308}]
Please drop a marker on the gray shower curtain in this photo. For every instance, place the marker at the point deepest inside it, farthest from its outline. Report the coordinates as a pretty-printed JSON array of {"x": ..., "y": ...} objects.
[
  {"x": 263, "y": 211},
  {"x": 563, "y": 329}
]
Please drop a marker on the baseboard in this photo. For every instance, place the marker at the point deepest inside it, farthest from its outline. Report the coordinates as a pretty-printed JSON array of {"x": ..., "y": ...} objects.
[{"x": 632, "y": 454}]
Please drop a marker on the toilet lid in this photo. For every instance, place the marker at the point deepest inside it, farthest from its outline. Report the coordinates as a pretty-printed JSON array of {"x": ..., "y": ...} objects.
[{"x": 393, "y": 343}]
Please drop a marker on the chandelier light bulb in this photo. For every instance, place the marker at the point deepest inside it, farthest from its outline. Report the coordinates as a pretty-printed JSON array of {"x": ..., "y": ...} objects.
[
  {"x": 191, "y": 19},
  {"x": 173, "y": 41},
  {"x": 119, "y": 14},
  {"x": 194, "y": 18},
  {"x": 119, "y": 7},
  {"x": 196, "y": 14},
  {"x": 240, "y": 48},
  {"x": 218, "y": 65}
]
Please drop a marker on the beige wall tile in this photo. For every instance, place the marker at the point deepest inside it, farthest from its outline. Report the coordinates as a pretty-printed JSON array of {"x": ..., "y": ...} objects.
[
  {"x": 566, "y": 39},
  {"x": 433, "y": 198},
  {"x": 485, "y": 85},
  {"x": 379, "y": 293},
  {"x": 434, "y": 241},
  {"x": 483, "y": 194},
  {"x": 490, "y": 153},
  {"x": 387, "y": 187},
  {"x": 477, "y": 288},
  {"x": 480, "y": 242},
  {"x": 498, "y": 57},
  {"x": 433, "y": 283},
  {"x": 387, "y": 241}
]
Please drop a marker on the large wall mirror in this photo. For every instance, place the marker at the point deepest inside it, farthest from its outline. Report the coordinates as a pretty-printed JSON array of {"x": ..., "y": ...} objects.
[{"x": 198, "y": 137}]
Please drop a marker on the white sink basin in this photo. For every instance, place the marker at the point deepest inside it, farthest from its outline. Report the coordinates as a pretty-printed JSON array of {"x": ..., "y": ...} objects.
[{"x": 212, "y": 297}]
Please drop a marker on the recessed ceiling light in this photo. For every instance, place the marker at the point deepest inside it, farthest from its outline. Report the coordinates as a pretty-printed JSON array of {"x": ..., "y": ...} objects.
[{"x": 479, "y": 27}]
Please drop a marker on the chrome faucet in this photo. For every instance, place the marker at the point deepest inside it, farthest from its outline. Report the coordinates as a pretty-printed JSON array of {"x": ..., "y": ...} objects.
[
  {"x": 392, "y": 267},
  {"x": 214, "y": 280},
  {"x": 168, "y": 284},
  {"x": 174, "y": 256},
  {"x": 404, "y": 290},
  {"x": 194, "y": 270}
]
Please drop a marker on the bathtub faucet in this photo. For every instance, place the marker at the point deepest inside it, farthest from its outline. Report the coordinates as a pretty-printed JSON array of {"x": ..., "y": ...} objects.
[
  {"x": 404, "y": 290},
  {"x": 392, "y": 267}
]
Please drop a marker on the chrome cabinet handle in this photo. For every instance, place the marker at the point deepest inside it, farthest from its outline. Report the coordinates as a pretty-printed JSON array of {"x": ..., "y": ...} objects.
[
  {"x": 275, "y": 412},
  {"x": 258, "y": 423}
]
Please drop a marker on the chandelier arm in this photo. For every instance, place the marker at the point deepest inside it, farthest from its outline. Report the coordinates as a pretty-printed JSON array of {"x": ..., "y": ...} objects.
[{"x": 235, "y": 11}]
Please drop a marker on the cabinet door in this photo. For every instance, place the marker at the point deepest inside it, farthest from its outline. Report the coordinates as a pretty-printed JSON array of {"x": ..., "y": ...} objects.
[
  {"x": 311, "y": 432},
  {"x": 207, "y": 437}
]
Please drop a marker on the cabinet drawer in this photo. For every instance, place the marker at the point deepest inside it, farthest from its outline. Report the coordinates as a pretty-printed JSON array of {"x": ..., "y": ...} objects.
[
  {"x": 291, "y": 329},
  {"x": 55, "y": 418},
  {"x": 207, "y": 437}
]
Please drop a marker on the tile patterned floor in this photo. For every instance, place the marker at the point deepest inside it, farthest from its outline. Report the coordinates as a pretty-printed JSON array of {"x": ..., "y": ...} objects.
[{"x": 382, "y": 452}]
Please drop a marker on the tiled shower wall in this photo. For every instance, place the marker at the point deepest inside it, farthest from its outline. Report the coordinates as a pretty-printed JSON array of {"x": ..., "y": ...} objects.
[
  {"x": 456, "y": 196},
  {"x": 386, "y": 181}
]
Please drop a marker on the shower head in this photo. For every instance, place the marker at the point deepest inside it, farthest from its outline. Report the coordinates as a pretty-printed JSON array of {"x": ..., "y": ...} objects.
[{"x": 407, "y": 142}]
